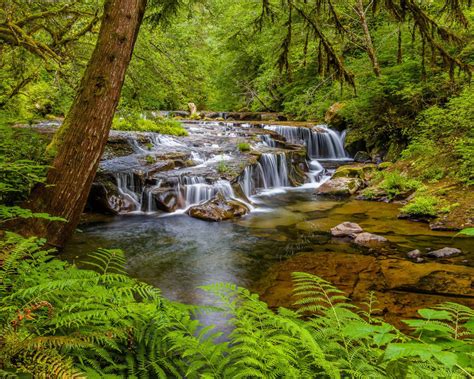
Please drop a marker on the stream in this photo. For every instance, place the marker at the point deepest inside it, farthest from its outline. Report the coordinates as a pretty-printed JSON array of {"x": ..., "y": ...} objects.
[{"x": 178, "y": 253}]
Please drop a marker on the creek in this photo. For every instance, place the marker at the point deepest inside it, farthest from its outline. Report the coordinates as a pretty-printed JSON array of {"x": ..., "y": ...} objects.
[{"x": 276, "y": 180}]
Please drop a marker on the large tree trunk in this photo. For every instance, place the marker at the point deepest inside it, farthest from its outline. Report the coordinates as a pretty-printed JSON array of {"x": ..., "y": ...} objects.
[
  {"x": 359, "y": 9},
  {"x": 80, "y": 142}
]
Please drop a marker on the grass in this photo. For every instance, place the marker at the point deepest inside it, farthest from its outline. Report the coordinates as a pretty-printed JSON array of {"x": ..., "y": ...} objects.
[{"x": 162, "y": 126}]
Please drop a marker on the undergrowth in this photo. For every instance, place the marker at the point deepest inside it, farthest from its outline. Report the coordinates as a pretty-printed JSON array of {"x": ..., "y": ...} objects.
[{"x": 61, "y": 321}]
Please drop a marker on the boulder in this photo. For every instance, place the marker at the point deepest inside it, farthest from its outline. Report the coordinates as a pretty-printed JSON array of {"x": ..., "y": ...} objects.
[
  {"x": 192, "y": 109},
  {"x": 362, "y": 157},
  {"x": 167, "y": 199},
  {"x": 354, "y": 171},
  {"x": 218, "y": 209},
  {"x": 333, "y": 116},
  {"x": 444, "y": 252},
  {"x": 339, "y": 187},
  {"x": 346, "y": 229},
  {"x": 369, "y": 240}
]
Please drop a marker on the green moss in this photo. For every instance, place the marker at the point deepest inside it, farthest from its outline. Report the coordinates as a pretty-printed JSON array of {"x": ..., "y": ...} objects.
[
  {"x": 422, "y": 206},
  {"x": 384, "y": 165},
  {"x": 243, "y": 146},
  {"x": 162, "y": 126}
]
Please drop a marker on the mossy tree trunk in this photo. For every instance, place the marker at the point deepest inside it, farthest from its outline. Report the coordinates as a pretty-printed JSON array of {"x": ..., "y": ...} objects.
[{"x": 79, "y": 144}]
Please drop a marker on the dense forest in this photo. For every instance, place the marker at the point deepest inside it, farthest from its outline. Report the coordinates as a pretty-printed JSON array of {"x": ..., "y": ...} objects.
[{"x": 236, "y": 189}]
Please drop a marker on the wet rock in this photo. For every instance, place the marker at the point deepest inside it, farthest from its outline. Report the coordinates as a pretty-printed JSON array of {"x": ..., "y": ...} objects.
[
  {"x": 354, "y": 171},
  {"x": 182, "y": 114},
  {"x": 340, "y": 187},
  {"x": 218, "y": 209},
  {"x": 444, "y": 252},
  {"x": 369, "y": 240},
  {"x": 346, "y": 229},
  {"x": 167, "y": 199},
  {"x": 414, "y": 254},
  {"x": 362, "y": 157}
]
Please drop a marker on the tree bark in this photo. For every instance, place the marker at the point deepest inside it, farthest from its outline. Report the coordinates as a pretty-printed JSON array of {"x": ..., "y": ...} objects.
[
  {"x": 81, "y": 140},
  {"x": 359, "y": 9}
]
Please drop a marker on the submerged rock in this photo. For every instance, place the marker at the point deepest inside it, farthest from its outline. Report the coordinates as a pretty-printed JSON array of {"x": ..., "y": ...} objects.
[
  {"x": 400, "y": 286},
  {"x": 414, "y": 254},
  {"x": 339, "y": 187},
  {"x": 346, "y": 229},
  {"x": 218, "y": 209},
  {"x": 369, "y": 240},
  {"x": 444, "y": 252}
]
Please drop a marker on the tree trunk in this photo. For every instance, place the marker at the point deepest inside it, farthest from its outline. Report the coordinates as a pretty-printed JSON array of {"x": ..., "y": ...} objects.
[
  {"x": 81, "y": 140},
  {"x": 359, "y": 9}
]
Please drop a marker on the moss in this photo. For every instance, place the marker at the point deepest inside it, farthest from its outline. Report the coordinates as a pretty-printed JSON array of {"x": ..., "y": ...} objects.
[
  {"x": 384, "y": 165},
  {"x": 162, "y": 126},
  {"x": 243, "y": 146}
]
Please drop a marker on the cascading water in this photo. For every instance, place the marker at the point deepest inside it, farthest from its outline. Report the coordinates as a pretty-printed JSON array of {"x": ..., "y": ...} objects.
[
  {"x": 267, "y": 140},
  {"x": 321, "y": 143},
  {"x": 271, "y": 171},
  {"x": 128, "y": 189}
]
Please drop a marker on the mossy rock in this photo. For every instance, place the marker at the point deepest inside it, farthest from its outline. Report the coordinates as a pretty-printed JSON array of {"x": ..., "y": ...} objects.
[
  {"x": 384, "y": 165},
  {"x": 356, "y": 171}
]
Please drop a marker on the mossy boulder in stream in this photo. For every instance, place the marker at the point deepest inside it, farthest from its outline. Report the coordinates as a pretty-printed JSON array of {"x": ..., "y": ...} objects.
[
  {"x": 340, "y": 187},
  {"x": 218, "y": 209}
]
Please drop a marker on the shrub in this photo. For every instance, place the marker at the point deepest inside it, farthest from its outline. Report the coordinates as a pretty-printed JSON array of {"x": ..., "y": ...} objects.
[
  {"x": 422, "y": 206},
  {"x": 243, "y": 146}
]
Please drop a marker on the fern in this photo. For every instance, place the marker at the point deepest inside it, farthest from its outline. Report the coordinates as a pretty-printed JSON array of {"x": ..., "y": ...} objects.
[{"x": 60, "y": 321}]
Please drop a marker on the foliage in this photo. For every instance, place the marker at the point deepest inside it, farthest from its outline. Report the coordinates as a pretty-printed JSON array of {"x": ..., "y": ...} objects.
[
  {"x": 56, "y": 318},
  {"x": 422, "y": 206},
  {"x": 22, "y": 163},
  {"x": 467, "y": 232},
  {"x": 162, "y": 126}
]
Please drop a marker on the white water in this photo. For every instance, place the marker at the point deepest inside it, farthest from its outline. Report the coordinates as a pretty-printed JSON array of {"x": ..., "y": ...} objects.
[
  {"x": 268, "y": 176},
  {"x": 321, "y": 142}
]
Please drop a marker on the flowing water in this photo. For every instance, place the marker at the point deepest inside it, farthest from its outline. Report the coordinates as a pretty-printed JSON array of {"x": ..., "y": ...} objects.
[{"x": 178, "y": 253}]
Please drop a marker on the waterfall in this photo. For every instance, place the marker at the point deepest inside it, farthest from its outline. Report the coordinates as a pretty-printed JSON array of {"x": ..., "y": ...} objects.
[
  {"x": 321, "y": 143},
  {"x": 271, "y": 171},
  {"x": 267, "y": 140},
  {"x": 197, "y": 191},
  {"x": 128, "y": 189}
]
